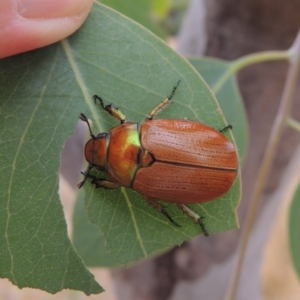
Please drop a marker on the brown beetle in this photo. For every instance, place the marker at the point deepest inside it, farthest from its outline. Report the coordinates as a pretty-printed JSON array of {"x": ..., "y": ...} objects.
[{"x": 178, "y": 161}]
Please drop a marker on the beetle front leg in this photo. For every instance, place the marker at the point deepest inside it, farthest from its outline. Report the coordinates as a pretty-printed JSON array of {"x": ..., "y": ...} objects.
[
  {"x": 163, "y": 104},
  {"x": 161, "y": 209},
  {"x": 83, "y": 118},
  {"x": 112, "y": 110},
  {"x": 86, "y": 175},
  {"x": 99, "y": 182},
  {"x": 103, "y": 183},
  {"x": 197, "y": 219}
]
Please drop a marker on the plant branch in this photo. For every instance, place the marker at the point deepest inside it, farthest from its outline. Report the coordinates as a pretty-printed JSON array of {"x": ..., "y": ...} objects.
[
  {"x": 248, "y": 60},
  {"x": 280, "y": 121},
  {"x": 293, "y": 123}
]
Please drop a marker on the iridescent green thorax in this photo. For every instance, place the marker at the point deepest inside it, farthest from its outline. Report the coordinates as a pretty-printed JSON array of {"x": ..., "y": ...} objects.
[{"x": 123, "y": 153}]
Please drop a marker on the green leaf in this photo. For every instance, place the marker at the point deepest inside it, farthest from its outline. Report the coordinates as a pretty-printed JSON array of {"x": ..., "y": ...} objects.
[
  {"x": 90, "y": 246},
  {"x": 294, "y": 224},
  {"x": 228, "y": 96},
  {"x": 161, "y": 8},
  {"x": 142, "y": 12},
  {"x": 43, "y": 93},
  {"x": 87, "y": 238},
  {"x": 38, "y": 91},
  {"x": 131, "y": 228}
]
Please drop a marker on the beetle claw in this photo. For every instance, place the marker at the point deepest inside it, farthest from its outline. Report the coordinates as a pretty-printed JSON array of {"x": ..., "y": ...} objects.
[
  {"x": 96, "y": 97},
  {"x": 80, "y": 184}
]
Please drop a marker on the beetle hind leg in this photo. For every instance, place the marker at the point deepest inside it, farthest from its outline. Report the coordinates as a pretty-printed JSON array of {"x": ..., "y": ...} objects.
[
  {"x": 161, "y": 209},
  {"x": 197, "y": 219},
  {"x": 229, "y": 126}
]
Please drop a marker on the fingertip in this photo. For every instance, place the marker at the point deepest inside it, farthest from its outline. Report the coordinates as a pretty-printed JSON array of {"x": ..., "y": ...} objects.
[
  {"x": 51, "y": 8},
  {"x": 28, "y": 28}
]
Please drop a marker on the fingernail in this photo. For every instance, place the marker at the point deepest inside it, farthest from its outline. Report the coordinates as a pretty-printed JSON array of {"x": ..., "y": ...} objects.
[{"x": 50, "y": 8}]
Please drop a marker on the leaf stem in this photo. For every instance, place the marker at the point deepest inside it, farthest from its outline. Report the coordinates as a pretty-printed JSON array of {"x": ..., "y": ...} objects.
[
  {"x": 248, "y": 60},
  {"x": 293, "y": 123},
  {"x": 280, "y": 121}
]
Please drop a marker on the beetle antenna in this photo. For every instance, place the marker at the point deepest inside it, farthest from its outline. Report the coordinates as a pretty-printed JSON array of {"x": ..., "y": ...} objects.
[
  {"x": 83, "y": 118},
  {"x": 86, "y": 176}
]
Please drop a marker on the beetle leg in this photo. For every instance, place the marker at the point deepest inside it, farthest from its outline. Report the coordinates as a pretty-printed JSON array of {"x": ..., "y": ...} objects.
[
  {"x": 229, "y": 126},
  {"x": 99, "y": 182},
  {"x": 197, "y": 219},
  {"x": 161, "y": 209},
  {"x": 163, "y": 104},
  {"x": 86, "y": 175},
  {"x": 83, "y": 118},
  {"x": 112, "y": 110},
  {"x": 103, "y": 183}
]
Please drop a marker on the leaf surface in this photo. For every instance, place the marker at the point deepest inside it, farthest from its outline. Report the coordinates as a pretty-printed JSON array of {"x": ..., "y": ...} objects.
[
  {"x": 92, "y": 249},
  {"x": 294, "y": 223},
  {"x": 42, "y": 94}
]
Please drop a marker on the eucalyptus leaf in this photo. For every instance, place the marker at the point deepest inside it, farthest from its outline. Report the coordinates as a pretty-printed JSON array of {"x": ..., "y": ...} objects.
[
  {"x": 143, "y": 12},
  {"x": 42, "y": 94},
  {"x": 146, "y": 73},
  {"x": 88, "y": 240},
  {"x": 294, "y": 223}
]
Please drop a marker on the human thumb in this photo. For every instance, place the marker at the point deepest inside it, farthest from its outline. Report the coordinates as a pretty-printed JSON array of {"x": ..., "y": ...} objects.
[{"x": 30, "y": 24}]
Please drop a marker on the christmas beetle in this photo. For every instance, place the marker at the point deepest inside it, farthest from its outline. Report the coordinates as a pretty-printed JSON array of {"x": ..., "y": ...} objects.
[{"x": 179, "y": 161}]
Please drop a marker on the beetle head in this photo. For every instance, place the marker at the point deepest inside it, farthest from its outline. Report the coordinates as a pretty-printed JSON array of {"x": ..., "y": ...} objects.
[
  {"x": 96, "y": 147},
  {"x": 96, "y": 151}
]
